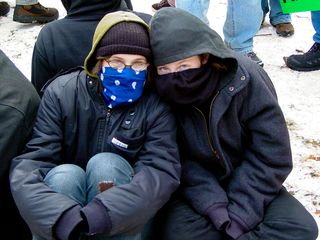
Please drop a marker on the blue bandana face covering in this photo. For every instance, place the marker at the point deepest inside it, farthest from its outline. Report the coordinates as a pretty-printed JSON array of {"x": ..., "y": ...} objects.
[{"x": 121, "y": 87}]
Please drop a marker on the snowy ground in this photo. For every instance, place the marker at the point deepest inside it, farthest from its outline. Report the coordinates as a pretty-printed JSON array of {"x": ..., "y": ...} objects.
[{"x": 299, "y": 93}]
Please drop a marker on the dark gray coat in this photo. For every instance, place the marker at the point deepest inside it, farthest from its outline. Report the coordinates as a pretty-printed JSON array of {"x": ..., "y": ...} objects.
[
  {"x": 73, "y": 124},
  {"x": 236, "y": 163}
]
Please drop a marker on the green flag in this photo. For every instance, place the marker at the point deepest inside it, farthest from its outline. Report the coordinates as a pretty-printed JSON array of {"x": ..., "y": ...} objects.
[{"x": 290, "y": 6}]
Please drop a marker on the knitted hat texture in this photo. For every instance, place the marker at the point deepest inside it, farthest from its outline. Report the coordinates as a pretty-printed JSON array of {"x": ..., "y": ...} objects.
[{"x": 125, "y": 38}]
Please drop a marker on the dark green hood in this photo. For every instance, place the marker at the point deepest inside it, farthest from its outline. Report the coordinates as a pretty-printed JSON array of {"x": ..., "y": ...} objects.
[{"x": 176, "y": 34}]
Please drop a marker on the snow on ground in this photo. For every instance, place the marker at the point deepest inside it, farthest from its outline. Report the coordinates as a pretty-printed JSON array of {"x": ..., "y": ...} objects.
[{"x": 298, "y": 92}]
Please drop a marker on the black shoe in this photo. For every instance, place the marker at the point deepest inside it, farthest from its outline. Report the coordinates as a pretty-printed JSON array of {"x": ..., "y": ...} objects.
[
  {"x": 255, "y": 58},
  {"x": 309, "y": 61},
  {"x": 157, "y": 6},
  {"x": 4, "y": 8},
  {"x": 34, "y": 13}
]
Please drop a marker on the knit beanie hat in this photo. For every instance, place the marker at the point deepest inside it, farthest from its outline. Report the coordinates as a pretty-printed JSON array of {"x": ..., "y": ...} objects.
[{"x": 125, "y": 38}]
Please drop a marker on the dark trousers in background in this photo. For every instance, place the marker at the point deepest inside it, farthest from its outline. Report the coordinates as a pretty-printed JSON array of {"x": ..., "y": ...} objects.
[
  {"x": 11, "y": 223},
  {"x": 285, "y": 219}
]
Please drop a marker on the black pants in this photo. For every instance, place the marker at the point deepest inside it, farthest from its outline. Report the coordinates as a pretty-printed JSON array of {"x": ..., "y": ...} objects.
[
  {"x": 11, "y": 223},
  {"x": 285, "y": 219}
]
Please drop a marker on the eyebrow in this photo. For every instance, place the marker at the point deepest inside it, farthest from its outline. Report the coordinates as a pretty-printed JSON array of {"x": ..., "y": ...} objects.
[{"x": 183, "y": 60}]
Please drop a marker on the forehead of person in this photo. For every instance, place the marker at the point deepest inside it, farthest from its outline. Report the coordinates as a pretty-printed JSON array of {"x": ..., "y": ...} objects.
[
  {"x": 176, "y": 34},
  {"x": 118, "y": 33}
]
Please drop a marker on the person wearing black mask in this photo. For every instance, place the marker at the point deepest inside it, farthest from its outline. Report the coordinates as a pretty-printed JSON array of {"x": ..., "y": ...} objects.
[
  {"x": 233, "y": 140},
  {"x": 64, "y": 44}
]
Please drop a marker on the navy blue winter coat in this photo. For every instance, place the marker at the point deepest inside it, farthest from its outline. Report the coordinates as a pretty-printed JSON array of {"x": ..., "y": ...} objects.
[{"x": 234, "y": 165}]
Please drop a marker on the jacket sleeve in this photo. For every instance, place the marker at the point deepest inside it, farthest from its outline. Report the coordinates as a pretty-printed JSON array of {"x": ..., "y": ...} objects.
[
  {"x": 266, "y": 161},
  {"x": 18, "y": 108},
  {"x": 39, "y": 205},
  {"x": 157, "y": 174},
  {"x": 202, "y": 190},
  {"x": 10, "y": 144}
]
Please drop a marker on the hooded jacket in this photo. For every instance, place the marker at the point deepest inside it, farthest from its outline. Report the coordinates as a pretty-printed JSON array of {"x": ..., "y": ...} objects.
[
  {"x": 19, "y": 103},
  {"x": 234, "y": 165},
  {"x": 65, "y": 43},
  {"x": 74, "y": 124}
]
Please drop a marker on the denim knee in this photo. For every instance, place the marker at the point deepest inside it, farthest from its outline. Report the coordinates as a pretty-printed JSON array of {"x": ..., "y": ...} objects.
[
  {"x": 68, "y": 179},
  {"x": 108, "y": 160},
  {"x": 107, "y": 167}
]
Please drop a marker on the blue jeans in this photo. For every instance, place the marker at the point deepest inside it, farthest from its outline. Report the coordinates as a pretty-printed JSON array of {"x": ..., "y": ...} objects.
[
  {"x": 26, "y": 2},
  {"x": 82, "y": 186},
  {"x": 198, "y": 8},
  {"x": 315, "y": 18},
  {"x": 242, "y": 22},
  {"x": 276, "y": 16}
]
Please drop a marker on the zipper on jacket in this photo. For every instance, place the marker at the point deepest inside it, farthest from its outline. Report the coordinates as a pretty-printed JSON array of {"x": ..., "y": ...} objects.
[
  {"x": 210, "y": 114},
  {"x": 209, "y": 129},
  {"x": 106, "y": 130}
]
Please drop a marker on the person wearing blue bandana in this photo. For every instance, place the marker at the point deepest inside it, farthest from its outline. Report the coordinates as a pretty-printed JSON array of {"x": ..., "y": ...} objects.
[
  {"x": 122, "y": 86},
  {"x": 103, "y": 157}
]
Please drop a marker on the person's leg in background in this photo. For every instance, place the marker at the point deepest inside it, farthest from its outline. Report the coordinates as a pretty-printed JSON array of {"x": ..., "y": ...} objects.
[
  {"x": 265, "y": 9},
  {"x": 286, "y": 219},
  {"x": 309, "y": 61},
  {"x": 29, "y": 11},
  {"x": 315, "y": 19},
  {"x": 242, "y": 23},
  {"x": 198, "y": 8},
  {"x": 280, "y": 20}
]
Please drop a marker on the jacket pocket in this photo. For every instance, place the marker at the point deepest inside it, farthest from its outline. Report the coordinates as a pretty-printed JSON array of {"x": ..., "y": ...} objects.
[{"x": 126, "y": 145}]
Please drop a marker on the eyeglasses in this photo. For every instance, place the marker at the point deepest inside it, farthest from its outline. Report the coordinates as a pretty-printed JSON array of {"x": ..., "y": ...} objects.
[{"x": 137, "y": 66}]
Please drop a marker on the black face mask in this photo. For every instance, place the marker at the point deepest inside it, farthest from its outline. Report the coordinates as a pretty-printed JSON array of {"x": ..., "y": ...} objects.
[{"x": 189, "y": 87}]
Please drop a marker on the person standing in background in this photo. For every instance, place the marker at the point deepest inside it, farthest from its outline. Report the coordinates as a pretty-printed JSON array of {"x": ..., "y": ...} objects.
[
  {"x": 278, "y": 19},
  {"x": 65, "y": 43},
  {"x": 242, "y": 22}
]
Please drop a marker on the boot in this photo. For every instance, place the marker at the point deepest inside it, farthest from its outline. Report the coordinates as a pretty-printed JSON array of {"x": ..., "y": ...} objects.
[
  {"x": 34, "y": 13},
  {"x": 157, "y": 6},
  {"x": 4, "y": 8},
  {"x": 253, "y": 56},
  {"x": 309, "y": 61},
  {"x": 284, "y": 29}
]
